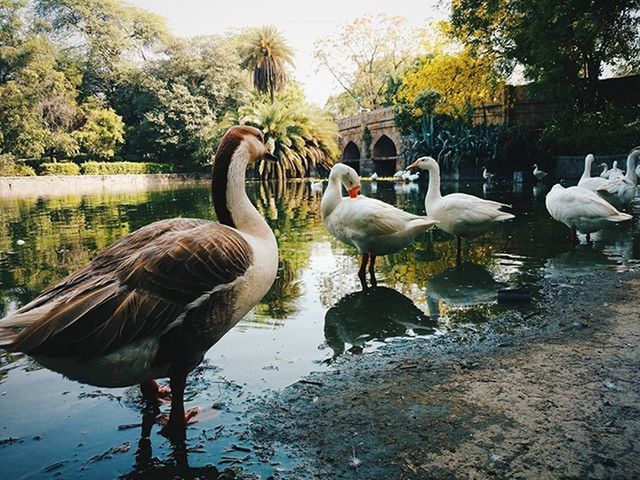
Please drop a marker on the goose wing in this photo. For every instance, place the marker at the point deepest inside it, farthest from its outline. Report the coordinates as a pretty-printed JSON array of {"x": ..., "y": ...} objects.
[
  {"x": 138, "y": 287},
  {"x": 577, "y": 202},
  {"x": 368, "y": 217},
  {"x": 473, "y": 210},
  {"x": 616, "y": 185}
]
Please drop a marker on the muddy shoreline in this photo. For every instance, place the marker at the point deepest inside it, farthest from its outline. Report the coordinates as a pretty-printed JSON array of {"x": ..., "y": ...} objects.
[{"x": 558, "y": 399}]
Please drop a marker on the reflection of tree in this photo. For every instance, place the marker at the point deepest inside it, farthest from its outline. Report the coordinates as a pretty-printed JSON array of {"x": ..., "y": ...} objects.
[{"x": 293, "y": 213}]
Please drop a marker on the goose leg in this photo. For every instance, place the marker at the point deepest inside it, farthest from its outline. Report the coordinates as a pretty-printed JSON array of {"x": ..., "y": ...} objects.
[
  {"x": 372, "y": 262},
  {"x": 175, "y": 427},
  {"x": 362, "y": 272},
  {"x": 458, "y": 250},
  {"x": 588, "y": 237},
  {"x": 574, "y": 236},
  {"x": 154, "y": 393}
]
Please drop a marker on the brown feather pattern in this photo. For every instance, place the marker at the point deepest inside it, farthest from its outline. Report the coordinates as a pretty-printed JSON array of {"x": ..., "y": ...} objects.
[{"x": 134, "y": 289}]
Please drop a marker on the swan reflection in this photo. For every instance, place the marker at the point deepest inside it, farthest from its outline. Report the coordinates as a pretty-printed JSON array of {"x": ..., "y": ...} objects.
[
  {"x": 577, "y": 261},
  {"x": 373, "y": 314},
  {"x": 464, "y": 285}
]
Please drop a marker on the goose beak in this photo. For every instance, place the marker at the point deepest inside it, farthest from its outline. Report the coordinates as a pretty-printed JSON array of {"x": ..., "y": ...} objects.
[
  {"x": 353, "y": 193},
  {"x": 413, "y": 165},
  {"x": 270, "y": 156}
]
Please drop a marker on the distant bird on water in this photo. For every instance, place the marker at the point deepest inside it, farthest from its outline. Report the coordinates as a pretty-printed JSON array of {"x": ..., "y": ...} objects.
[
  {"x": 153, "y": 303},
  {"x": 487, "y": 175},
  {"x": 374, "y": 176},
  {"x": 539, "y": 174}
]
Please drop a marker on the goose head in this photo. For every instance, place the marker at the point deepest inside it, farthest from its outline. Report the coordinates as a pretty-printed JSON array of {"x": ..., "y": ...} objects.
[
  {"x": 347, "y": 176},
  {"x": 425, "y": 163}
]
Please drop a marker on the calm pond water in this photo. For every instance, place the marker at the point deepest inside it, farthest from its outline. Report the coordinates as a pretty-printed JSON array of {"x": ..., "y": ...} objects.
[{"x": 51, "y": 427}]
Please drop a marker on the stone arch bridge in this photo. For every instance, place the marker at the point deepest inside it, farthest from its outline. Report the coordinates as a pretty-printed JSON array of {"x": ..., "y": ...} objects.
[{"x": 379, "y": 150}]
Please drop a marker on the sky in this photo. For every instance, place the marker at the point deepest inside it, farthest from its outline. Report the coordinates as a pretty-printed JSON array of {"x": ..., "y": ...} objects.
[{"x": 301, "y": 22}]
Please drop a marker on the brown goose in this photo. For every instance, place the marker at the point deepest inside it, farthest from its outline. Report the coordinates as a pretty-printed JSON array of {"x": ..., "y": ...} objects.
[{"x": 153, "y": 303}]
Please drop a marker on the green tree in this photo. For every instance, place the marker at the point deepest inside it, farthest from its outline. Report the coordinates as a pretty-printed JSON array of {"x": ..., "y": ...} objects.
[
  {"x": 266, "y": 55},
  {"x": 300, "y": 135},
  {"x": 106, "y": 34},
  {"x": 102, "y": 132},
  {"x": 562, "y": 44}
]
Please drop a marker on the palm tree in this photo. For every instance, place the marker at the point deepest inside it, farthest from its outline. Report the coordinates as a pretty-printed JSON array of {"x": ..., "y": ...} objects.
[{"x": 265, "y": 53}]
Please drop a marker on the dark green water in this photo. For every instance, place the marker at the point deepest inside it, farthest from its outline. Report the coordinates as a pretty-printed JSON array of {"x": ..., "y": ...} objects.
[{"x": 51, "y": 427}]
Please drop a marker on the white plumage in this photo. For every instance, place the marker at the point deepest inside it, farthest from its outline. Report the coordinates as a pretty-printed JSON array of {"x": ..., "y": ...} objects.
[
  {"x": 373, "y": 227},
  {"x": 459, "y": 214},
  {"x": 539, "y": 174},
  {"x": 581, "y": 209},
  {"x": 374, "y": 176},
  {"x": 486, "y": 174},
  {"x": 619, "y": 190},
  {"x": 586, "y": 180}
]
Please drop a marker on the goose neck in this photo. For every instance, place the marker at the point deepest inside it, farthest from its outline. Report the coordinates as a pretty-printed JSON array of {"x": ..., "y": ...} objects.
[
  {"x": 332, "y": 196},
  {"x": 433, "y": 193},
  {"x": 230, "y": 200}
]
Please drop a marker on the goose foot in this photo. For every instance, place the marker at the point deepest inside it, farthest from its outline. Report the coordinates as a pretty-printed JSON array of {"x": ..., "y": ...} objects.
[
  {"x": 174, "y": 427},
  {"x": 154, "y": 393}
]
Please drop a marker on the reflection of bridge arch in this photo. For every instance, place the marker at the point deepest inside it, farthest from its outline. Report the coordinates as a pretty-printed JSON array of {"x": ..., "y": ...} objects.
[{"x": 384, "y": 148}]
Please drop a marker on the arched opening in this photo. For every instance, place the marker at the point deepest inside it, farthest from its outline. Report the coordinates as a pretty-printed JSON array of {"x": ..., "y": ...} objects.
[
  {"x": 384, "y": 148},
  {"x": 351, "y": 152}
]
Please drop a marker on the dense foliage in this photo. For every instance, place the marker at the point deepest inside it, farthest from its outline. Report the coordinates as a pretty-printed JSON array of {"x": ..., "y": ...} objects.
[
  {"x": 300, "y": 135},
  {"x": 59, "y": 168},
  {"x": 102, "y": 80},
  {"x": 119, "y": 168}
]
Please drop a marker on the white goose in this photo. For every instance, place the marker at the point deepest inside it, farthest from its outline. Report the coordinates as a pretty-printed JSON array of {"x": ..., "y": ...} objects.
[
  {"x": 581, "y": 210},
  {"x": 153, "y": 303},
  {"x": 615, "y": 171},
  {"x": 459, "y": 214},
  {"x": 374, "y": 176},
  {"x": 586, "y": 180},
  {"x": 620, "y": 190},
  {"x": 605, "y": 170},
  {"x": 539, "y": 174},
  {"x": 398, "y": 174},
  {"x": 487, "y": 175},
  {"x": 317, "y": 187},
  {"x": 373, "y": 227}
]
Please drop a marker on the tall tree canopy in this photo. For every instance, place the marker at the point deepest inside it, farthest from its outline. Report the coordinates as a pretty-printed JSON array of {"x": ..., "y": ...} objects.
[
  {"x": 564, "y": 45},
  {"x": 364, "y": 55},
  {"x": 266, "y": 55}
]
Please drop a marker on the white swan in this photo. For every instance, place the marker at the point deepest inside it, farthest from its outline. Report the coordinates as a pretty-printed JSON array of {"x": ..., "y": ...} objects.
[
  {"x": 586, "y": 180},
  {"x": 373, "y": 227},
  {"x": 620, "y": 190},
  {"x": 374, "y": 176},
  {"x": 487, "y": 175},
  {"x": 539, "y": 174},
  {"x": 459, "y": 214},
  {"x": 582, "y": 210}
]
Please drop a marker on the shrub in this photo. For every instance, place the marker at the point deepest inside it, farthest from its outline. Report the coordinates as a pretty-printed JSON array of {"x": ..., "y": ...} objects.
[
  {"x": 66, "y": 168},
  {"x": 9, "y": 167},
  {"x": 119, "y": 168}
]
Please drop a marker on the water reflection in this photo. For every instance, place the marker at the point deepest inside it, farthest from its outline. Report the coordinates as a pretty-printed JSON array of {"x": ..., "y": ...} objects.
[
  {"x": 464, "y": 285},
  {"x": 309, "y": 305},
  {"x": 377, "y": 313}
]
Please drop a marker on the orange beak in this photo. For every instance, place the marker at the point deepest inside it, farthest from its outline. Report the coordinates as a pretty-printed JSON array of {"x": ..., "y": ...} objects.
[
  {"x": 353, "y": 193},
  {"x": 413, "y": 165}
]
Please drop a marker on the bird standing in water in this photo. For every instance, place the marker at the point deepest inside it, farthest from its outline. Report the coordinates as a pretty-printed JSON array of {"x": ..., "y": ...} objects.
[{"x": 153, "y": 303}]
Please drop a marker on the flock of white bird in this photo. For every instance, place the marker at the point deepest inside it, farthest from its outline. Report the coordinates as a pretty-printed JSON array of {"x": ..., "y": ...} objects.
[{"x": 376, "y": 228}]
